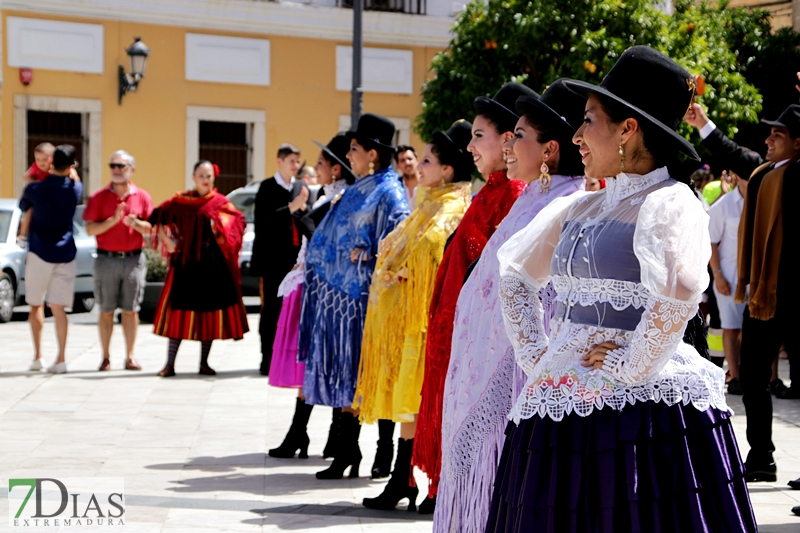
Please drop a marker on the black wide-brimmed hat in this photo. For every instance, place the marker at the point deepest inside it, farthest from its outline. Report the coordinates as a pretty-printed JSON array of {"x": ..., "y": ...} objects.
[
  {"x": 559, "y": 107},
  {"x": 453, "y": 146},
  {"x": 789, "y": 119},
  {"x": 337, "y": 149},
  {"x": 653, "y": 86},
  {"x": 501, "y": 106},
  {"x": 373, "y": 131}
]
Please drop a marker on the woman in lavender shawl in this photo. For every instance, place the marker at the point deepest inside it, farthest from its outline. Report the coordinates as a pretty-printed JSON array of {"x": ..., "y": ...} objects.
[{"x": 483, "y": 378}]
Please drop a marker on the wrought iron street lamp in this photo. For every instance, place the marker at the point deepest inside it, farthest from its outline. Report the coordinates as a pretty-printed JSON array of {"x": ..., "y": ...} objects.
[{"x": 137, "y": 53}]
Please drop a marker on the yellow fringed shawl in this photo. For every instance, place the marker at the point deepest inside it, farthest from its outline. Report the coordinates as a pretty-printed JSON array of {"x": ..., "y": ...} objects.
[{"x": 393, "y": 350}]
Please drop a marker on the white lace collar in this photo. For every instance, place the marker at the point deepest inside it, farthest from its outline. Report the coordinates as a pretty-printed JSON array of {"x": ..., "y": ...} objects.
[
  {"x": 332, "y": 188},
  {"x": 626, "y": 185}
]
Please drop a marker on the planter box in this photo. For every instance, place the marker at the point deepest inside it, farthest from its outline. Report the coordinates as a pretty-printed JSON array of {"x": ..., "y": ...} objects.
[{"x": 152, "y": 292}]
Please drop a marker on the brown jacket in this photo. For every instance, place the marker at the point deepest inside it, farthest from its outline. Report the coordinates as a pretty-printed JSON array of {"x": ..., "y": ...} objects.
[{"x": 760, "y": 242}]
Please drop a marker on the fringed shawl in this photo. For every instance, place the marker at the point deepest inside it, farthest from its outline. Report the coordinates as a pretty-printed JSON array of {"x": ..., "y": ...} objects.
[
  {"x": 487, "y": 211},
  {"x": 335, "y": 289},
  {"x": 183, "y": 217},
  {"x": 482, "y": 378},
  {"x": 393, "y": 350}
]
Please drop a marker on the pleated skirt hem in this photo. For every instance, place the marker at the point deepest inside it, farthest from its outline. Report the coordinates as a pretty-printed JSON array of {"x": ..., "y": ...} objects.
[{"x": 648, "y": 468}]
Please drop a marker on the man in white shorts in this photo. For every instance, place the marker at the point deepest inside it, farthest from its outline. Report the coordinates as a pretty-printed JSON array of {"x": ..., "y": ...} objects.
[
  {"x": 50, "y": 262},
  {"x": 723, "y": 227}
]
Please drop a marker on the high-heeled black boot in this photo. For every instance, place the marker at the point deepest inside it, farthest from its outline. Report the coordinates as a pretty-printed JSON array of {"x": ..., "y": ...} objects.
[
  {"x": 333, "y": 434},
  {"x": 428, "y": 505},
  {"x": 297, "y": 438},
  {"x": 348, "y": 454},
  {"x": 382, "y": 466},
  {"x": 399, "y": 485}
]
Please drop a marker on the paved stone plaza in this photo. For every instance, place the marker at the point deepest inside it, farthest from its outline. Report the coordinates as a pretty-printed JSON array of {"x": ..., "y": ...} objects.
[{"x": 192, "y": 449}]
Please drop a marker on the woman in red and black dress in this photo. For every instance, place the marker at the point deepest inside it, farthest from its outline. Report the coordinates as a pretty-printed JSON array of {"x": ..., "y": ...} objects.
[{"x": 202, "y": 232}]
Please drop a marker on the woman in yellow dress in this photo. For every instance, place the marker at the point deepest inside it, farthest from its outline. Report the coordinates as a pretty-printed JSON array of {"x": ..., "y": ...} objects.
[{"x": 393, "y": 348}]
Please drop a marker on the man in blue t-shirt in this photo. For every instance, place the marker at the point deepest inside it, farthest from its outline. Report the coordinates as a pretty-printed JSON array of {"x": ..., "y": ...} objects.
[{"x": 50, "y": 263}]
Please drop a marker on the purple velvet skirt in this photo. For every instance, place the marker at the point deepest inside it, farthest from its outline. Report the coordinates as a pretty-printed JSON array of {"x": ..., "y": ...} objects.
[
  {"x": 649, "y": 468},
  {"x": 284, "y": 370}
]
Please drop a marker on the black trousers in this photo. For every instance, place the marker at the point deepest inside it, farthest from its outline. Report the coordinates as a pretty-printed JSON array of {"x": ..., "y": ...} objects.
[
  {"x": 761, "y": 340},
  {"x": 268, "y": 323}
]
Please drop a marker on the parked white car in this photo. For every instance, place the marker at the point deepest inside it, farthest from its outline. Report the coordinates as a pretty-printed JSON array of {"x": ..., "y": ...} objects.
[{"x": 12, "y": 262}]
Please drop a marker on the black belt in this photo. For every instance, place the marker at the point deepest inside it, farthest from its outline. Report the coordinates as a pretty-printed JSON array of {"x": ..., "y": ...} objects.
[{"x": 119, "y": 255}]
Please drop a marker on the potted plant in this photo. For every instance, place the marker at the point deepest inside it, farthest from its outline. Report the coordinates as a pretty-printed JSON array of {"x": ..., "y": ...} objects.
[{"x": 156, "y": 274}]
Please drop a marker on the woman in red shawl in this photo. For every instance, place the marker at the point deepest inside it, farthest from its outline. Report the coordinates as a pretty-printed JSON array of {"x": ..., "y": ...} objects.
[
  {"x": 493, "y": 126},
  {"x": 202, "y": 231}
]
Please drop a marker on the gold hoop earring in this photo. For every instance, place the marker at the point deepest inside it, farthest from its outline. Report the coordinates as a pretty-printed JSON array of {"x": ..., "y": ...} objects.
[
  {"x": 622, "y": 158},
  {"x": 371, "y": 168},
  {"x": 544, "y": 178}
]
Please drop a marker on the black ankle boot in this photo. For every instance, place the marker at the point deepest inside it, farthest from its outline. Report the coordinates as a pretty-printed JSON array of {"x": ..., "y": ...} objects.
[
  {"x": 382, "y": 466},
  {"x": 297, "y": 438},
  {"x": 347, "y": 451},
  {"x": 428, "y": 505},
  {"x": 333, "y": 434},
  {"x": 399, "y": 485}
]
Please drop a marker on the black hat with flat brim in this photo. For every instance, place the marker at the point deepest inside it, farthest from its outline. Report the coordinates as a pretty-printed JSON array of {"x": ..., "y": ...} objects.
[
  {"x": 452, "y": 145},
  {"x": 373, "y": 131},
  {"x": 559, "y": 107},
  {"x": 654, "y": 87},
  {"x": 789, "y": 119},
  {"x": 337, "y": 149},
  {"x": 501, "y": 105}
]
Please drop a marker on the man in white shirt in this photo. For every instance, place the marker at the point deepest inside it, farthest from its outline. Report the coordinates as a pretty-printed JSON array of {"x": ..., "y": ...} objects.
[
  {"x": 723, "y": 227},
  {"x": 407, "y": 162}
]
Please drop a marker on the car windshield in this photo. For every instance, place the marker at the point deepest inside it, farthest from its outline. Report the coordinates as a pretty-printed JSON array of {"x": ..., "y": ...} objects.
[
  {"x": 246, "y": 203},
  {"x": 5, "y": 225}
]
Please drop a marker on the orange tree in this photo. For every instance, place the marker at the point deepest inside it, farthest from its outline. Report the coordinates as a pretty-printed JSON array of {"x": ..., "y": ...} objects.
[{"x": 536, "y": 42}]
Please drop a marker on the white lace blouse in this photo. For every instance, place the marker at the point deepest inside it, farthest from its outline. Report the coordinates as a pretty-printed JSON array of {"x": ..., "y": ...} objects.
[{"x": 629, "y": 265}]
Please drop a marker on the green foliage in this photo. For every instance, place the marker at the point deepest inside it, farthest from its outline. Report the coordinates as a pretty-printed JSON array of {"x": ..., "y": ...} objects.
[
  {"x": 536, "y": 42},
  {"x": 156, "y": 265},
  {"x": 775, "y": 60}
]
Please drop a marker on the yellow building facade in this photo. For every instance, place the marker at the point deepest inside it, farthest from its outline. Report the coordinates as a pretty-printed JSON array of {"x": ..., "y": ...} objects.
[{"x": 273, "y": 72}]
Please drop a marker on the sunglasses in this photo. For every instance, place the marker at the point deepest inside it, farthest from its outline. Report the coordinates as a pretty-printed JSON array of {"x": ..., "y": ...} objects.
[{"x": 120, "y": 166}]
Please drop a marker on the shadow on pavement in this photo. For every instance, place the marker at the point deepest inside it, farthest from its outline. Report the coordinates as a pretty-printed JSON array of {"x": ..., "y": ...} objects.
[
  {"x": 221, "y": 374},
  {"x": 342, "y": 509},
  {"x": 264, "y": 485},
  {"x": 231, "y": 462}
]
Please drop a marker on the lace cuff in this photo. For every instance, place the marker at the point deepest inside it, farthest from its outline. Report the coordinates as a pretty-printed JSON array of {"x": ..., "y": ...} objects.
[
  {"x": 655, "y": 339},
  {"x": 522, "y": 315}
]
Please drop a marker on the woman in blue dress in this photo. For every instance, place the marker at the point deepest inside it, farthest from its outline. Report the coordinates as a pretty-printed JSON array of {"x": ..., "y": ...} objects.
[
  {"x": 338, "y": 272},
  {"x": 621, "y": 426}
]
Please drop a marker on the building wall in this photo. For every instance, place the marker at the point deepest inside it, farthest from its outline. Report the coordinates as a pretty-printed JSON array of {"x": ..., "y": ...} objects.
[
  {"x": 780, "y": 10},
  {"x": 301, "y": 102}
]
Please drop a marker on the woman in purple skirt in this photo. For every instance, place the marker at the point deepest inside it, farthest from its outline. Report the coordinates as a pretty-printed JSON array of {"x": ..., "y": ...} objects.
[{"x": 621, "y": 426}]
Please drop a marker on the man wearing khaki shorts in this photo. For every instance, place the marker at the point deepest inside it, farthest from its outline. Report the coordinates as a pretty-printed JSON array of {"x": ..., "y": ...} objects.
[
  {"x": 117, "y": 216},
  {"x": 50, "y": 262}
]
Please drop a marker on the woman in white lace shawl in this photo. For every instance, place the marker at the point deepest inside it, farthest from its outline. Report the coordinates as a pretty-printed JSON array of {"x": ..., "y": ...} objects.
[
  {"x": 620, "y": 426},
  {"x": 482, "y": 374}
]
